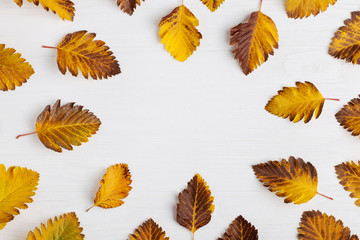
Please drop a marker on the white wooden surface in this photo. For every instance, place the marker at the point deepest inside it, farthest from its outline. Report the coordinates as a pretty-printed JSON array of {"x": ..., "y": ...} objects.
[{"x": 169, "y": 120}]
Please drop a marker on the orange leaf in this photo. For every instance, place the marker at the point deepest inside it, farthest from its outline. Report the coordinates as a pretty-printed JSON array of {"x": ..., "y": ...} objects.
[
  {"x": 149, "y": 230},
  {"x": 349, "y": 116},
  {"x": 305, "y": 8}
]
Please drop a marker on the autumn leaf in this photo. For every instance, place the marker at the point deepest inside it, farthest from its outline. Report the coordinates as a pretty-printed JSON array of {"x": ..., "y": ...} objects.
[
  {"x": 63, "y": 126},
  {"x": 349, "y": 116},
  {"x": 240, "y": 229},
  {"x": 195, "y": 205},
  {"x": 66, "y": 227},
  {"x": 64, "y": 8},
  {"x": 212, "y": 4},
  {"x": 179, "y": 34},
  {"x": 297, "y": 102},
  {"x": 315, "y": 225},
  {"x": 14, "y": 71},
  {"x": 149, "y": 230},
  {"x": 17, "y": 186},
  {"x": 254, "y": 40},
  {"x": 79, "y": 50},
  {"x": 115, "y": 186},
  {"x": 293, "y": 179},
  {"x": 349, "y": 176},
  {"x": 128, "y": 6},
  {"x": 305, "y": 8},
  {"x": 346, "y": 41}
]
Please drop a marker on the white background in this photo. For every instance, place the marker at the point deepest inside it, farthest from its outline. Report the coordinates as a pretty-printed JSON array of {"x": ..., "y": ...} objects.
[{"x": 169, "y": 120}]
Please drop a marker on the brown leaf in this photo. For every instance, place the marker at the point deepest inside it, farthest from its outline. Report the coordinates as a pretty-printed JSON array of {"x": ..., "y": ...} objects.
[
  {"x": 254, "y": 40},
  {"x": 349, "y": 176},
  {"x": 349, "y": 116},
  {"x": 149, "y": 230},
  {"x": 240, "y": 229},
  {"x": 195, "y": 204},
  {"x": 128, "y": 6},
  {"x": 212, "y": 4},
  {"x": 315, "y": 225}
]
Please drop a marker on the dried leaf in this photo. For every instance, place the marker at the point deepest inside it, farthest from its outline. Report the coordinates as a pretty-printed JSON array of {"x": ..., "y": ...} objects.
[
  {"x": 115, "y": 186},
  {"x": 66, "y": 227},
  {"x": 179, "y": 34},
  {"x": 14, "y": 71},
  {"x": 315, "y": 225},
  {"x": 254, "y": 40},
  {"x": 17, "y": 186},
  {"x": 349, "y": 176},
  {"x": 149, "y": 230},
  {"x": 79, "y": 50},
  {"x": 305, "y": 8},
  {"x": 293, "y": 179},
  {"x": 195, "y": 205},
  {"x": 64, "y": 8},
  {"x": 63, "y": 126},
  {"x": 297, "y": 102},
  {"x": 349, "y": 116},
  {"x": 128, "y": 6},
  {"x": 213, "y": 4},
  {"x": 346, "y": 41},
  {"x": 240, "y": 229}
]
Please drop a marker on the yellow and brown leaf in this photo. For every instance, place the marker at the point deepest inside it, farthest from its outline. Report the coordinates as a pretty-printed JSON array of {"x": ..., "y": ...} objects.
[
  {"x": 179, "y": 34},
  {"x": 149, "y": 230},
  {"x": 79, "y": 51},
  {"x": 66, "y": 227},
  {"x": 64, "y": 8},
  {"x": 14, "y": 71},
  {"x": 212, "y": 4},
  {"x": 128, "y": 6},
  {"x": 346, "y": 41},
  {"x": 349, "y": 175},
  {"x": 240, "y": 229},
  {"x": 294, "y": 179},
  {"x": 315, "y": 225},
  {"x": 349, "y": 116},
  {"x": 17, "y": 186},
  {"x": 115, "y": 186},
  {"x": 305, "y": 8},
  {"x": 64, "y": 126},
  {"x": 297, "y": 102},
  {"x": 195, "y": 204},
  {"x": 254, "y": 40}
]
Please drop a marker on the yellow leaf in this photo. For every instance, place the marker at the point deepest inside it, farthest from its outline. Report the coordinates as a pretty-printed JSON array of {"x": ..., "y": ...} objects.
[
  {"x": 63, "y": 126},
  {"x": 14, "y": 71},
  {"x": 315, "y": 225},
  {"x": 240, "y": 229},
  {"x": 149, "y": 230},
  {"x": 79, "y": 50},
  {"x": 346, "y": 41},
  {"x": 66, "y": 227},
  {"x": 349, "y": 176},
  {"x": 64, "y": 8},
  {"x": 115, "y": 186},
  {"x": 128, "y": 6},
  {"x": 305, "y": 8},
  {"x": 212, "y": 4},
  {"x": 17, "y": 186},
  {"x": 349, "y": 116},
  {"x": 297, "y": 102},
  {"x": 179, "y": 34},
  {"x": 195, "y": 204},
  {"x": 254, "y": 40},
  {"x": 293, "y": 179}
]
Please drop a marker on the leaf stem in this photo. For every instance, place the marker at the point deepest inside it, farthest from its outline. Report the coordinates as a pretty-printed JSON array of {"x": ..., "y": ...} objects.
[
  {"x": 22, "y": 135},
  {"x": 261, "y": 2},
  {"x": 90, "y": 208},
  {"x": 333, "y": 99},
  {"x": 193, "y": 235},
  {"x": 325, "y": 196},
  {"x": 48, "y": 47}
]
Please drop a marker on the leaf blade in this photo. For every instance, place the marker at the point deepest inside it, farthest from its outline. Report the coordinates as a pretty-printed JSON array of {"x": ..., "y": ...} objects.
[
  {"x": 240, "y": 229},
  {"x": 305, "y": 8},
  {"x": 128, "y": 6},
  {"x": 349, "y": 116},
  {"x": 149, "y": 230},
  {"x": 349, "y": 175},
  {"x": 300, "y": 102},
  {"x": 213, "y": 5}
]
